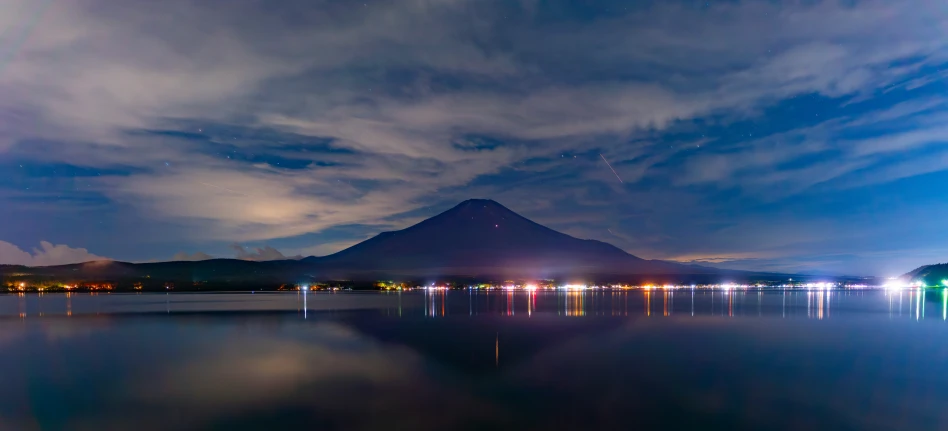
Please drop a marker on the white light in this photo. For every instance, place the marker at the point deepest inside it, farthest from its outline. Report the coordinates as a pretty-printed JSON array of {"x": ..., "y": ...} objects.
[
  {"x": 531, "y": 287},
  {"x": 895, "y": 285}
]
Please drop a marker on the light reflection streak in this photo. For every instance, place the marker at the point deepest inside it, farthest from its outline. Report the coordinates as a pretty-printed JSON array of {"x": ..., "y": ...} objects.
[
  {"x": 648, "y": 303},
  {"x": 730, "y": 305},
  {"x": 759, "y": 293},
  {"x": 589, "y": 302},
  {"x": 531, "y": 297},
  {"x": 918, "y": 306},
  {"x": 575, "y": 304},
  {"x": 889, "y": 295},
  {"x": 432, "y": 309},
  {"x": 819, "y": 296},
  {"x": 829, "y": 296},
  {"x": 509, "y": 303},
  {"x": 665, "y": 304}
]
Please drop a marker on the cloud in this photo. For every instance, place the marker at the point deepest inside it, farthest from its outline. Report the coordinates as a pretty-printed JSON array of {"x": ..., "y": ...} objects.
[
  {"x": 790, "y": 162},
  {"x": 197, "y": 256},
  {"x": 259, "y": 123},
  {"x": 330, "y": 247},
  {"x": 46, "y": 255},
  {"x": 260, "y": 254}
]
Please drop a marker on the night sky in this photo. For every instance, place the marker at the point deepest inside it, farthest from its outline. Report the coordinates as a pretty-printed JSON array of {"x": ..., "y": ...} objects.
[{"x": 809, "y": 136}]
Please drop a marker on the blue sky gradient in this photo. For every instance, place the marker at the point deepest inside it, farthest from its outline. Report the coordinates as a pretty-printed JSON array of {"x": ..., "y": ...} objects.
[{"x": 783, "y": 136}]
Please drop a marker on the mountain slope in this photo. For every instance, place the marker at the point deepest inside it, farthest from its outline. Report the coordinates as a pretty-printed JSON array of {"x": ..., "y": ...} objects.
[
  {"x": 476, "y": 238},
  {"x": 479, "y": 237},
  {"x": 932, "y": 275}
]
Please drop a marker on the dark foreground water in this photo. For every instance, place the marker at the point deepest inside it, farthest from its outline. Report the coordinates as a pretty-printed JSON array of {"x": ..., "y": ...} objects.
[{"x": 837, "y": 360}]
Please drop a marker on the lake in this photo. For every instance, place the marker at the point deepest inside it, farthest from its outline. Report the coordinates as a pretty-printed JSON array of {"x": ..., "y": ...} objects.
[{"x": 553, "y": 360}]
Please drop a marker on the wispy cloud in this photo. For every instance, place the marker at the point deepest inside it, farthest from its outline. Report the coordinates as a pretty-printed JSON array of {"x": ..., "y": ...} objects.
[
  {"x": 385, "y": 108},
  {"x": 196, "y": 256},
  {"x": 260, "y": 254},
  {"x": 47, "y": 254}
]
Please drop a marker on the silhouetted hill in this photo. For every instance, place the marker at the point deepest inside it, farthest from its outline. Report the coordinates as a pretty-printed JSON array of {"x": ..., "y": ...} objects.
[
  {"x": 932, "y": 275},
  {"x": 482, "y": 237},
  {"x": 476, "y": 239}
]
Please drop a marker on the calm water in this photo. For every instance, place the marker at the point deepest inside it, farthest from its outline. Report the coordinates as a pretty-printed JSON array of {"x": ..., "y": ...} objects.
[{"x": 703, "y": 360}]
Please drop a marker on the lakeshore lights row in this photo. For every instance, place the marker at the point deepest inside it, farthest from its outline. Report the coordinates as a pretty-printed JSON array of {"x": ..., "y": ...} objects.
[
  {"x": 898, "y": 284},
  {"x": 727, "y": 286}
]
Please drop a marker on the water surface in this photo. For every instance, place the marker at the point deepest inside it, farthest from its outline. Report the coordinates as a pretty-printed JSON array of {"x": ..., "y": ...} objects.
[{"x": 681, "y": 359}]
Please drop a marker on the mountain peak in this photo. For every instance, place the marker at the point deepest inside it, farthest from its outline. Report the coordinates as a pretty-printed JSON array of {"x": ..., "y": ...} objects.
[
  {"x": 481, "y": 236},
  {"x": 478, "y": 201},
  {"x": 479, "y": 204},
  {"x": 475, "y": 215}
]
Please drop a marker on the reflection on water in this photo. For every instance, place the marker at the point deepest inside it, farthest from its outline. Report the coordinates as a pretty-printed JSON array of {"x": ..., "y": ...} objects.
[
  {"x": 814, "y": 304},
  {"x": 657, "y": 359}
]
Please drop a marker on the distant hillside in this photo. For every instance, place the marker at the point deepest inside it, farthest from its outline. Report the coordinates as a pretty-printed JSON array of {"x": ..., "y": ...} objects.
[
  {"x": 482, "y": 237},
  {"x": 932, "y": 275},
  {"x": 477, "y": 239}
]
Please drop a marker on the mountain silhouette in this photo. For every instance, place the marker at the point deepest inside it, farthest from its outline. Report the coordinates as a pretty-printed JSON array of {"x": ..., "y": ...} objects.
[
  {"x": 476, "y": 239},
  {"x": 481, "y": 237},
  {"x": 931, "y": 275}
]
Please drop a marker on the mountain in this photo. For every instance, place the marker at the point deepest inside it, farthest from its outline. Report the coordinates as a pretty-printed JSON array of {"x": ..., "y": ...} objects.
[
  {"x": 482, "y": 237},
  {"x": 931, "y": 275},
  {"x": 475, "y": 239}
]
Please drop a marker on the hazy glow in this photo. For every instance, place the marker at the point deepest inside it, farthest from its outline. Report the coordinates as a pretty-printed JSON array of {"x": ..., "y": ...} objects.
[{"x": 896, "y": 285}]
